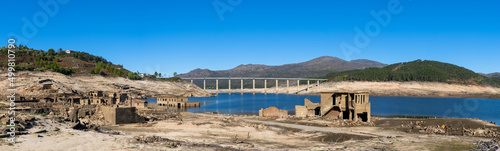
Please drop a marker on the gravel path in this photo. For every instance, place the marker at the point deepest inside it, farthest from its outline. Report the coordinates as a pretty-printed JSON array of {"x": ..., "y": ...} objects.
[
  {"x": 303, "y": 127},
  {"x": 309, "y": 128}
]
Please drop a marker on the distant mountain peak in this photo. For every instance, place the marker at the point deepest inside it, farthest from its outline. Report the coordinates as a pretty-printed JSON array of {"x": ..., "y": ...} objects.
[
  {"x": 316, "y": 67},
  {"x": 327, "y": 58}
]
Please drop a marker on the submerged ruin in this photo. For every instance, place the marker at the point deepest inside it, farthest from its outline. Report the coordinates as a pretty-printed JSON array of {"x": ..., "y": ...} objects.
[{"x": 178, "y": 102}]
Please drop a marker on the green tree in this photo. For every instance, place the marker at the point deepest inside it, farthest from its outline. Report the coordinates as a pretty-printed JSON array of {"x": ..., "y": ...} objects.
[
  {"x": 51, "y": 52},
  {"x": 175, "y": 74},
  {"x": 133, "y": 76},
  {"x": 22, "y": 66}
]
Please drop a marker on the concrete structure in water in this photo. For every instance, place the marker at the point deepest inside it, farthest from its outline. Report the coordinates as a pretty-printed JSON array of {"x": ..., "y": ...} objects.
[
  {"x": 352, "y": 105},
  {"x": 179, "y": 102}
]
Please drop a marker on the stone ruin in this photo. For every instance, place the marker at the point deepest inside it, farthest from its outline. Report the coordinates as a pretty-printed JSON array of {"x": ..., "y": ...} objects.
[
  {"x": 120, "y": 115},
  {"x": 308, "y": 110},
  {"x": 273, "y": 112},
  {"x": 351, "y": 105}
]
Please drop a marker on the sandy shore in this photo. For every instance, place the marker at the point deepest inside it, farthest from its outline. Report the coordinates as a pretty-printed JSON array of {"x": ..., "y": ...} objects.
[{"x": 417, "y": 89}]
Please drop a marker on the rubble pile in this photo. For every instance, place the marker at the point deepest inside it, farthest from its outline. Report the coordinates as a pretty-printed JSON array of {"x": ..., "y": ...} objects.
[
  {"x": 413, "y": 124},
  {"x": 229, "y": 121},
  {"x": 342, "y": 122},
  {"x": 483, "y": 132},
  {"x": 21, "y": 123},
  {"x": 488, "y": 145},
  {"x": 416, "y": 126},
  {"x": 164, "y": 116},
  {"x": 432, "y": 130},
  {"x": 256, "y": 126},
  {"x": 176, "y": 143}
]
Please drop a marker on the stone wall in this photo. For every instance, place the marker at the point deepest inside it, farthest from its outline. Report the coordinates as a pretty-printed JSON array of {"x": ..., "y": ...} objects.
[
  {"x": 120, "y": 115},
  {"x": 301, "y": 111},
  {"x": 273, "y": 112},
  {"x": 308, "y": 110}
]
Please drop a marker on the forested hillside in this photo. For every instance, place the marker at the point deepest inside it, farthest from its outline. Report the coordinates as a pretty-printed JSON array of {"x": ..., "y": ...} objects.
[
  {"x": 66, "y": 63},
  {"x": 417, "y": 70}
]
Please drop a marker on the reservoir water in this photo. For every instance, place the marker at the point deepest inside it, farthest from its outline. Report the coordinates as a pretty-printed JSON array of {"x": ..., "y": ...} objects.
[{"x": 484, "y": 109}]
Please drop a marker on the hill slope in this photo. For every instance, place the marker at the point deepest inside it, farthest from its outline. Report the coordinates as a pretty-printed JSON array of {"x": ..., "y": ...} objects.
[
  {"x": 432, "y": 71},
  {"x": 74, "y": 63},
  {"x": 492, "y": 75},
  {"x": 312, "y": 68}
]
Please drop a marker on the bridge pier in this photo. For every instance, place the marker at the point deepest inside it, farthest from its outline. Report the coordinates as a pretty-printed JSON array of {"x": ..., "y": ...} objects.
[
  {"x": 217, "y": 86},
  {"x": 298, "y": 86},
  {"x": 287, "y": 86},
  {"x": 277, "y": 86},
  {"x": 317, "y": 82},
  {"x": 241, "y": 86},
  {"x": 204, "y": 84},
  {"x": 253, "y": 89},
  {"x": 191, "y": 80},
  {"x": 230, "y": 86},
  {"x": 307, "y": 85},
  {"x": 265, "y": 86}
]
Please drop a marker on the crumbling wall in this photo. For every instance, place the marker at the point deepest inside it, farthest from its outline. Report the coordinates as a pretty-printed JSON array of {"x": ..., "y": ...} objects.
[
  {"x": 109, "y": 114},
  {"x": 273, "y": 112},
  {"x": 308, "y": 110},
  {"x": 120, "y": 115},
  {"x": 301, "y": 111}
]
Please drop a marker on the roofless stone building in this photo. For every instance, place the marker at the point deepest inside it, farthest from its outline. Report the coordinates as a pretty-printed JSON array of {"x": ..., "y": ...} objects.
[
  {"x": 179, "y": 102},
  {"x": 352, "y": 105}
]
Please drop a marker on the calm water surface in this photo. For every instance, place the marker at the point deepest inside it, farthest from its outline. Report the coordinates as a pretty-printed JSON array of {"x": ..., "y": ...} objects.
[{"x": 485, "y": 109}]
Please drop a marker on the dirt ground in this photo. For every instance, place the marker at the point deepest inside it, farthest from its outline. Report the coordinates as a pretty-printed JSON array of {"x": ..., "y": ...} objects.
[
  {"x": 225, "y": 132},
  {"x": 28, "y": 83}
]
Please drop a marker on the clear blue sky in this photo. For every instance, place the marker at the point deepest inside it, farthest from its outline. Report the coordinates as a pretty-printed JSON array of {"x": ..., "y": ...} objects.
[{"x": 181, "y": 35}]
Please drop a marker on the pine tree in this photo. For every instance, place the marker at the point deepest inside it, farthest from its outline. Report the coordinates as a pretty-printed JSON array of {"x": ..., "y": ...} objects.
[{"x": 51, "y": 52}]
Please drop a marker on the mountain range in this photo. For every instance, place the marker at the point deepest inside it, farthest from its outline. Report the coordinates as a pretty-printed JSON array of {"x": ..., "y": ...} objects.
[
  {"x": 492, "y": 75},
  {"x": 317, "y": 67}
]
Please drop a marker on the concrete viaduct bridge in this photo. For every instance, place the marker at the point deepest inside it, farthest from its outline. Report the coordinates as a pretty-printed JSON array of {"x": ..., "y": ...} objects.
[{"x": 253, "y": 82}]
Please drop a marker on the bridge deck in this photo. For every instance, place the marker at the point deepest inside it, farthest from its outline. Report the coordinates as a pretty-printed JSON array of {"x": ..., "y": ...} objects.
[
  {"x": 253, "y": 82},
  {"x": 256, "y": 78}
]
